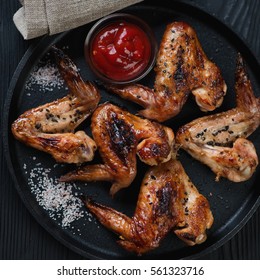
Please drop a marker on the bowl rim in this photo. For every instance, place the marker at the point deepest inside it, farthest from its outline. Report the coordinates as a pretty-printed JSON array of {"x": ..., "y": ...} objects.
[{"x": 130, "y": 18}]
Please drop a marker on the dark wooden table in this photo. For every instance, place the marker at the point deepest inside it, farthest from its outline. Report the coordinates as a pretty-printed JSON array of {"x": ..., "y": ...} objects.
[{"x": 21, "y": 237}]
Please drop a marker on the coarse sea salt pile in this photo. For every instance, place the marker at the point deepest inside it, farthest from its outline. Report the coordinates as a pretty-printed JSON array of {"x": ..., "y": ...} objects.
[
  {"x": 46, "y": 77},
  {"x": 55, "y": 197}
]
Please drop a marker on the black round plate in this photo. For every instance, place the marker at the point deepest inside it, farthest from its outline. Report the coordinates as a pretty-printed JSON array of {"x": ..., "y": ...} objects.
[{"x": 232, "y": 204}]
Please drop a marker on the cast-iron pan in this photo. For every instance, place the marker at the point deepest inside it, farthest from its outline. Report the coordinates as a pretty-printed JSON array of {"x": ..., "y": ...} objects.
[{"x": 232, "y": 204}]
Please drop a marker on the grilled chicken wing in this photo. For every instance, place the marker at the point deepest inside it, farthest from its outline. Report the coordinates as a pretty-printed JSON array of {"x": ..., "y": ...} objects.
[
  {"x": 219, "y": 140},
  {"x": 50, "y": 127},
  {"x": 121, "y": 135},
  {"x": 182, "y": 67},
  {"x": 168, "y": 201}
]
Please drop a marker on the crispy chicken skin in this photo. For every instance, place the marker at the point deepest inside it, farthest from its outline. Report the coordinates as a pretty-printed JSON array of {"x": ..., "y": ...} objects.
[
  {"x": 219, "y": 140},
  {"x": 50, "y": 127},
  {"x": 182, "y": 67},
  {"x": 119, "y": 136},
  {"x": 168, "y": 201}
]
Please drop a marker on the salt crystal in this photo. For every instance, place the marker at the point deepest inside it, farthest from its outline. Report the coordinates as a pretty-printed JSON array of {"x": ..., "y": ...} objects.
[
  {"x": 55, "y": 197},
  {"x": 46, "y": 76}
]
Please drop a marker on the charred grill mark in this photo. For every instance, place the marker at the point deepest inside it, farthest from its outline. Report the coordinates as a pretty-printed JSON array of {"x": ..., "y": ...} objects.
[
  {"x": 216, "y": 83},
  {"x": 122, "y": 137},
  {"x": 187, "y": 39},
  {"x": 162, "y": 133},
  {"x": 165, "y": 201},
  {"x": 183, "y": 130},
  {"x": 155, "y": 150},
  {"x": 200, "y": 58},
  {"x": 179, "y": 75},
  {"x": 188, "y": 236},
  {"x": 167, "y": 91},
  {"x": 53, "y": 142},
  {"x": 164, "y": 150}
]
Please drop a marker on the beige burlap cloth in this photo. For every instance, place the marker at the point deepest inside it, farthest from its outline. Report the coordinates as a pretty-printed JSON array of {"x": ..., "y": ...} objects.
[{"x": 38, "y": 17}]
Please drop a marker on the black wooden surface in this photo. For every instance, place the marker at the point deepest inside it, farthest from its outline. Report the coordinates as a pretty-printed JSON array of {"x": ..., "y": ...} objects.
[{"x": 21, "y": 237}]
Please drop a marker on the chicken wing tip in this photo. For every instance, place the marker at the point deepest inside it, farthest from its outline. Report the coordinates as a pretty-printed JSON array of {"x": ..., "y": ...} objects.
[
  {"x": 85, "y": 199},
  {"x": 58, "y": 53}
]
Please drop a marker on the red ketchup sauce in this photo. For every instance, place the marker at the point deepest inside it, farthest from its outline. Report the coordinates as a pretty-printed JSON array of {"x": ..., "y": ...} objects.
[{"x": 121, "y": 51}]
